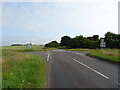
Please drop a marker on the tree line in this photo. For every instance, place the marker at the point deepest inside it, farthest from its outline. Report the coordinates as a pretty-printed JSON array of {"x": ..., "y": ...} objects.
[{"x": 112, "y": 40}]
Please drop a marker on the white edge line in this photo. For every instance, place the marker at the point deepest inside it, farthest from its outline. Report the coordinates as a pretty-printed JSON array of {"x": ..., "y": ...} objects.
[
  {"x": 91, "y": 69},
  {"x": 48, "y": 56}
]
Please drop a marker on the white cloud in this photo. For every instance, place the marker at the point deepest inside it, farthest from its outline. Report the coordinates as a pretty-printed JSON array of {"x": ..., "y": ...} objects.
[
  {"x": 73, "y": 19},
  {"x": 75, "y": 15},
  {"x": 8, "y": 40},
  {"x": 58, "y": 0}
]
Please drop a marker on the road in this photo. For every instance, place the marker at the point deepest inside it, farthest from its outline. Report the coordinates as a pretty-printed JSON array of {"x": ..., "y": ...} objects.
[{"x": 70, "y": 69}]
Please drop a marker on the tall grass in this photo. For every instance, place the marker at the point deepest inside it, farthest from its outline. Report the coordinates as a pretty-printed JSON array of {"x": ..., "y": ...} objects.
[{"x": 21, "y": 70}]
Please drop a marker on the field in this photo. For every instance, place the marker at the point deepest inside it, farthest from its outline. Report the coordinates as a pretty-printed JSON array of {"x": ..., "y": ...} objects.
[
  {"x": 23, "y": 47},
  {"x": 22, "y": 70},
  {"x": 28, "y": 49},
  {"x": 107, "y": 54}
]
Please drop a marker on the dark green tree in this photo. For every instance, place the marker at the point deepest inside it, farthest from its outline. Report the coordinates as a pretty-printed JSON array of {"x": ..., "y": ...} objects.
[
  {"x": 93, "y": 42},
  {"x": 90, "y": 38},
  {"x": 95, "y": 37},
  {"x": 77, "y": 42},
  {"x": 52, "y": 44},
  {"x": 112, "y": 40},
  {"x": 65, "y": 40}
]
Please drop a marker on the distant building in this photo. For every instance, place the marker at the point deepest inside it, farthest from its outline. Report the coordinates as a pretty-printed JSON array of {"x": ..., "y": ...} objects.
[
  {"x": 102, "y": 43},
  {"x": 29, "y": 44}
]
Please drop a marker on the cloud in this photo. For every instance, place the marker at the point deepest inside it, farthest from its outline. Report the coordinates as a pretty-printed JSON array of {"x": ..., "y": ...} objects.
[
  {"x": 48, "y": 17},
  {"x": 9, "y": 39},
  {"x": 51, "y": 20},
  {"x": 59, "y": 0}
]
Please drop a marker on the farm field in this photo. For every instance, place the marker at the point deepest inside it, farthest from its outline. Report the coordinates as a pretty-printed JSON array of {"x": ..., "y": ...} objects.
[
  {"x": 28, "y": 49},
  {"x": 22, "y": 47}
]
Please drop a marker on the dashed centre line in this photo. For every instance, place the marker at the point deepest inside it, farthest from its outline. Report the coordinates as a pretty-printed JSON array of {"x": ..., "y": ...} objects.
[{"x": 48, "y": 57}]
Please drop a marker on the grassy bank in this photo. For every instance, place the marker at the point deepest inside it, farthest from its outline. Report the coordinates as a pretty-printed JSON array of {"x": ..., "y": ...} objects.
[
  {"x": 107, "y": 54},
  {"x": 21, "y": 70},
  {"x": 78, "y": 49}
]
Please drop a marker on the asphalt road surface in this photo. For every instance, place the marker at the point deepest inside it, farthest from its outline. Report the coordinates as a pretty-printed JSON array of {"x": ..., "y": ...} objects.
[{"x": 70, "y": 69}]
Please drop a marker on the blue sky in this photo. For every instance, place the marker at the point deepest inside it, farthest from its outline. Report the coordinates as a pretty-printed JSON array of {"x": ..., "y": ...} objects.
[{"x": 42, "y": 22}]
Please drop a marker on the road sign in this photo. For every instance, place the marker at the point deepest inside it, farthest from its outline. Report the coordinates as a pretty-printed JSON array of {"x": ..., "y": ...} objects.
[{"x": 102, "y": 43}]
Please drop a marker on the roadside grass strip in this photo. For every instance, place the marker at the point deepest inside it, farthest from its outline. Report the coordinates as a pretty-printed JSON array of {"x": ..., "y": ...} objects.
[
  {"x": 107, "y": 54},
  {"x": 78, "y": 49},
  {"x": 21, "y": 70}
]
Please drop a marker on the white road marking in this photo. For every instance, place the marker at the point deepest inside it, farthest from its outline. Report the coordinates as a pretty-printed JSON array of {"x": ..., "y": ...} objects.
[
  {"x": 91, "y": 69},
  {"x": 48, "y": 57},
  {"x": 118, "y": 84},
  {"x": 78, "y": 53},
  {"x": 75, "y": 53}
]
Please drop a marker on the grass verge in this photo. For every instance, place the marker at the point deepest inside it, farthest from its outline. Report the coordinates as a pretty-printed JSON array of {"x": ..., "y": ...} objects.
[
  {"x": 78, "y": 49},
  {"x": 21, "y": 70},
  {"x": 107, "y": 54}
]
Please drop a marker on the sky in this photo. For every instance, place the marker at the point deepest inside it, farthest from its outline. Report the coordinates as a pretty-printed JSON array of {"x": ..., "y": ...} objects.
[{"x": 42, "y": 22}]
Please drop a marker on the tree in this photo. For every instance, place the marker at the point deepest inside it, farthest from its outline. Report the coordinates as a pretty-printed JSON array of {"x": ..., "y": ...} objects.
[
  {"x": 78, "y": 42},
  {"x": 95, "y": 37},
  {"x": 90, "y": 38},
  {"x": 52, "y": 44},
  {"x": 112, "y": 40},
  {"x": 65, "y": 40},
  {"x": 82, "y": 42},
  {"x": 93, "y": 42}
]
